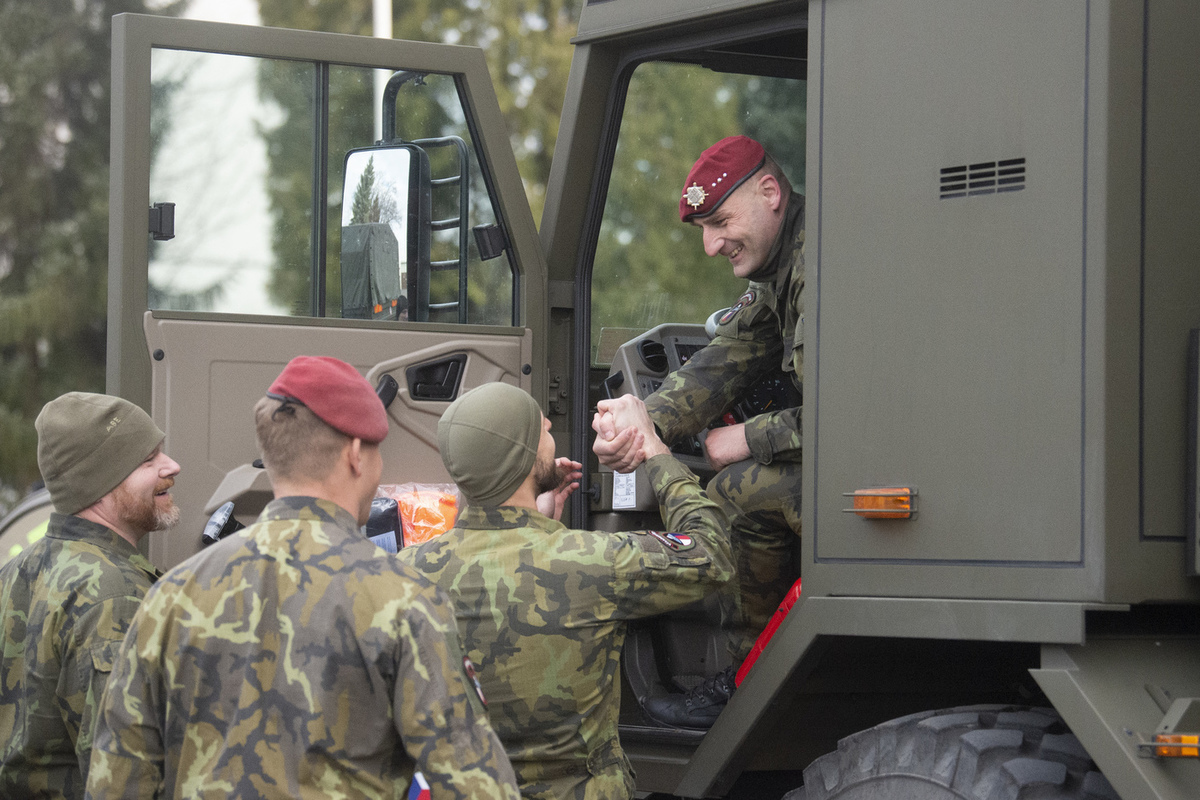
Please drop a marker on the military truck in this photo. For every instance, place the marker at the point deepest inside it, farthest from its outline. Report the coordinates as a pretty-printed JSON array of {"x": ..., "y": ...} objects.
[{"x": 999, "y": 550}]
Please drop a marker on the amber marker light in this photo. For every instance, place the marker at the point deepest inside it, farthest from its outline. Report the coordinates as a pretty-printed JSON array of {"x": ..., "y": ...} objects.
[
  {"x": 887, "y": 502},
  {"x": 1177, "y": 745}
]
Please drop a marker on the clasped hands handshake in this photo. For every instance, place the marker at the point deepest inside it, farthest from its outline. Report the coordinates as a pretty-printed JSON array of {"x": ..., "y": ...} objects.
[{"x": 625, "y": 437}]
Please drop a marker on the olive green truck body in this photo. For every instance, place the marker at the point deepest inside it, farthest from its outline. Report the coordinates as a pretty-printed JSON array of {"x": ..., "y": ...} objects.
[{"x": 1002, "y": 239}]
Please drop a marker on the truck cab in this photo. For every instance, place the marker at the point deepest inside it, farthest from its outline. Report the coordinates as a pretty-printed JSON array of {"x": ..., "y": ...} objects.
[{"x": 1001, "y": 310}]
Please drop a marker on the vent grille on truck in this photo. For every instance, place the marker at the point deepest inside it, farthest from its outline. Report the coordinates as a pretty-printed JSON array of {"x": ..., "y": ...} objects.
[{"x": 987, "y": 177}]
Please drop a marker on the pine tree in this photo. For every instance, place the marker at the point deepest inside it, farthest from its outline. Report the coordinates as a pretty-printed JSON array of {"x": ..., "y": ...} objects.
[
  {"x": 54, "y": 138},
  {"x": 364, "y": 208}
]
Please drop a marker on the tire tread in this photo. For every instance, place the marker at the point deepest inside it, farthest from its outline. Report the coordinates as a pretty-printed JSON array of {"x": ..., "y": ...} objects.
[{"x": 973, "y": 753}]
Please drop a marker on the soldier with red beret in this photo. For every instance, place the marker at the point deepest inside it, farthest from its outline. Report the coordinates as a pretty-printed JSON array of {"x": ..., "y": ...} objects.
[
  {"x": 747, "y": 212},
  {"x": 296, "y": 658}
]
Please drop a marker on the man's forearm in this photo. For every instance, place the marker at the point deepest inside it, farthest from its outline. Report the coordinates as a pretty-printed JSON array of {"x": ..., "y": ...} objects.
[{"x": 707, "y": 386}]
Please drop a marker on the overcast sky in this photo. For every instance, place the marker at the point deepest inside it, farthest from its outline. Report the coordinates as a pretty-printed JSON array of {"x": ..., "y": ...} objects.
[{"x": 243, "y": 12}]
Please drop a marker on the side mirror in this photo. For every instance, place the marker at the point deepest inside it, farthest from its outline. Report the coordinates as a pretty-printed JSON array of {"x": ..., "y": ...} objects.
[{"x": 386, "y": 208}]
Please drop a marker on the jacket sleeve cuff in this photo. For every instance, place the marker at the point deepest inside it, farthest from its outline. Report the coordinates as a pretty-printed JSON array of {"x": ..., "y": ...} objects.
[{"x": 665, "y": 469}]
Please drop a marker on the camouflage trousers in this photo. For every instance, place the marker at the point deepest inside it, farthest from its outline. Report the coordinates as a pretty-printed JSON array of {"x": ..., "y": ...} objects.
[{"x": 763, "y": 505}]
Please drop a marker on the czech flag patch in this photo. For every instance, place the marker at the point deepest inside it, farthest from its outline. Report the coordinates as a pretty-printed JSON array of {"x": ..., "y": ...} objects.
[
  {"x": 675, "y": 541},
  {"x": 419, "y": 790}
]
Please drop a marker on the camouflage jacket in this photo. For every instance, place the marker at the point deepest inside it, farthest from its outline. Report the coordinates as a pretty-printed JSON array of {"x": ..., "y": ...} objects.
[
  {"x": 764, "y": 328},
  {"x": 66, "y": 602},
  {"x": 543, "y": 611},
  {"x": 294, "y": 659}
]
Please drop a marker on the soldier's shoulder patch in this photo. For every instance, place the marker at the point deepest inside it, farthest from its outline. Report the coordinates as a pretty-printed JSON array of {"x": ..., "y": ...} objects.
[
  {"x": 675, "y": 541},
  {"x": 743, "y": 301},
  {"x": 469, "y": 669}
]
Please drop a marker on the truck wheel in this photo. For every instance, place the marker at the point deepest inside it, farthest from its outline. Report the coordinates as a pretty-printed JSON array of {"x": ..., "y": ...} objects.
[{"x": 968, "y": 753}]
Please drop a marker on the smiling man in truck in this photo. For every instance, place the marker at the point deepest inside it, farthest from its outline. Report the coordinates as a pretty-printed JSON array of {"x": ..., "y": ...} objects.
[{"x": 747, "y": 212}]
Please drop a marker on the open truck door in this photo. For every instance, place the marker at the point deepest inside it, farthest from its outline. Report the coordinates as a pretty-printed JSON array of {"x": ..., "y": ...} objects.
[
  {"x": 1000, "y": 295},
  {"x": 314, "y": 194}
]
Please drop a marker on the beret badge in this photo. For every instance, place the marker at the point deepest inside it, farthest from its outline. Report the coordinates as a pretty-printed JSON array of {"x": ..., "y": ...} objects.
[{"x": 695, "y": 195}]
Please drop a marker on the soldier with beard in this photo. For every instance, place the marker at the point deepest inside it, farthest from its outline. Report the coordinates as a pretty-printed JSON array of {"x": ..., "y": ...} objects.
[
  {"x": 542, "y": 609},
  {"x": 66, "y": 601}
]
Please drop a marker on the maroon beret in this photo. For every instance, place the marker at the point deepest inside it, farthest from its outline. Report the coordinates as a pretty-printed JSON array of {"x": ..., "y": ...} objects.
[
  {"x": 719, "y": 170},
  {"x": 335, "y": 392}
]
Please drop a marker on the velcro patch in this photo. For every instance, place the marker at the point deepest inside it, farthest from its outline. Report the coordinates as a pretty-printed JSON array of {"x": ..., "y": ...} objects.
[
  {"x": 675, "y": 541},
  {"x": 743, "y": 301}
]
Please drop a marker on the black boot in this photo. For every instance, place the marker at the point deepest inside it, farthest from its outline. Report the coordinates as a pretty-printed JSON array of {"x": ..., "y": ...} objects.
[{"x": 698, "y": 708}]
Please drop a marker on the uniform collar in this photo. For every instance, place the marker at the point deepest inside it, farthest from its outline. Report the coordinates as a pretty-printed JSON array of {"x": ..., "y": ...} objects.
[
  {"x": 308, "y": 508},
  {"x": 69, "y": 527},
  {"x": 506, "y": 518}
]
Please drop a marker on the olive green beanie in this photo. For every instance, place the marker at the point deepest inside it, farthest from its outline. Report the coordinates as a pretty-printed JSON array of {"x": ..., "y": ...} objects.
[
  {"x": 489, "y": 441},
  {"x": 88, "y": 444}
]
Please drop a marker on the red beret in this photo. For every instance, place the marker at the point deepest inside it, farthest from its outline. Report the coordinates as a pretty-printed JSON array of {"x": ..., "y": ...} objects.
[
  {"x": 719, "y": 170},
  {"x": 335, "y": 392}
]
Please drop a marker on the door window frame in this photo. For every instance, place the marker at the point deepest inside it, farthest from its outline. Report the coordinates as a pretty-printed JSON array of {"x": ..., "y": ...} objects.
[{"x": 134, "y": 38}]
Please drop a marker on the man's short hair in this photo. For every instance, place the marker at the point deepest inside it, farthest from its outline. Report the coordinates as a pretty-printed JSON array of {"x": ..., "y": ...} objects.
[
  {"x": 771, "y": 167},
  {"x": 294, "y": 442}
]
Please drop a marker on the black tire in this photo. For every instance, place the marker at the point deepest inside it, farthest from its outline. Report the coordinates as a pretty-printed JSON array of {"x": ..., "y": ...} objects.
[{"x": 968, "y": 753}]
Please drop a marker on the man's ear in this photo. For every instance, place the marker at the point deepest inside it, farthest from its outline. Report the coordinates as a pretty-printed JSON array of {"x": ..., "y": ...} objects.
[
  {"x": 353, "y": 455},
  {"x": 769, "y": 188}
]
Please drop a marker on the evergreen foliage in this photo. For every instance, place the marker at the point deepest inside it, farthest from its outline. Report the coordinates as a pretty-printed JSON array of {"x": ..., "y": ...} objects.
[
  {"x": 361, "y": 211},
  {"x": 54, "y": 145}
]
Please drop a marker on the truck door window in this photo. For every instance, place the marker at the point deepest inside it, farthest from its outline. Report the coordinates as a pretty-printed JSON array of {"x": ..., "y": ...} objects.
[
  {"x": 252, "y": 153},
  {"x": 649, "y": 267}
]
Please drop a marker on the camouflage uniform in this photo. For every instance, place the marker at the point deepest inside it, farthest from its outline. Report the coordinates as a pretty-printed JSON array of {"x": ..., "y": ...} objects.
[
  {"x": 294, "y": 659},
  {"x": 761, "y": 495},
  {"x": 543, "y": 610},
  {"x": 66, "y": 603}
]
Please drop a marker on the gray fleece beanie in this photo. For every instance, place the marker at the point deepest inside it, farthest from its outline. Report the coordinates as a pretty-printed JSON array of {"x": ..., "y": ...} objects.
[
  {"x": 489, "y": 441},
  {"x": 89, "y": 443}
]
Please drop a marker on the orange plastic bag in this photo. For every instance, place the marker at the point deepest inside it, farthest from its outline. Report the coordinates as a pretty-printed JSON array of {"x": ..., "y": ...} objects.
[{"x": 426, "y": 509}]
